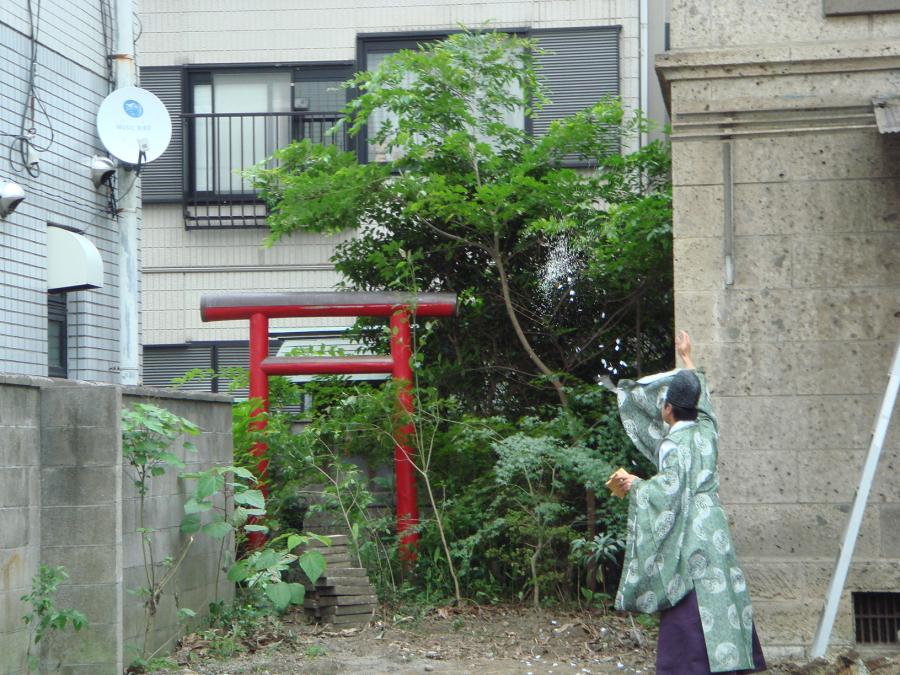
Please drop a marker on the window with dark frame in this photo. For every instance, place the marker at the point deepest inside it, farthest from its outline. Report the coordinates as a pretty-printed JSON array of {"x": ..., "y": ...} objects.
[
  {"x": 235, "y": 116},
  {"x": 57, "y": 335},
  {"x": 577, "y": 67}
]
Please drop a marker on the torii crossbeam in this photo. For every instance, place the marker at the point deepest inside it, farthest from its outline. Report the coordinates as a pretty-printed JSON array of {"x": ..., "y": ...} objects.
[{"x": 258, "y": 308}]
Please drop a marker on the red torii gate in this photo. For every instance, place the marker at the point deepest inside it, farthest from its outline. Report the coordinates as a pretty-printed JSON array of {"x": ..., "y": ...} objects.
[{"x": 258, "y": 308}]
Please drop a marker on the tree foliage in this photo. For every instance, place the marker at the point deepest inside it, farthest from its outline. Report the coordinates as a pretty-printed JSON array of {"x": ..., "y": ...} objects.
[{"x": 558, "y": 246}]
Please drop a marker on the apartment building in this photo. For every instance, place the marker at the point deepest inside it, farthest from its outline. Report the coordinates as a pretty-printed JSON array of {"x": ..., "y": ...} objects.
[
  {"x": 241, "y": 82},
  {"x": 59, "y": 274}
]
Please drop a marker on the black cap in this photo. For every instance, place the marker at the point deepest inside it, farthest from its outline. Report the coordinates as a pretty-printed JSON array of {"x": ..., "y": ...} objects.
[{"x": 684, "y": 391}]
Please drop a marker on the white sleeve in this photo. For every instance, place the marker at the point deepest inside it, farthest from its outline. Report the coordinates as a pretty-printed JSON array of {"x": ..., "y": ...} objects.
[{"x": 664, "y": 448}]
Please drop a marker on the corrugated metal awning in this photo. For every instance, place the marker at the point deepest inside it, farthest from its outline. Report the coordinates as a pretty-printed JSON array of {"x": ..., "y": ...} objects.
[{"x": 887, "y": 114}]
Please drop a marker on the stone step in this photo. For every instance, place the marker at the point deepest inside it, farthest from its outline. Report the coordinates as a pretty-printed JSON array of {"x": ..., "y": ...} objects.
[
  {"x": 352, "y": 620},
  {"x": 335, "y": 539},
  {"x": 338, "y": 600},
  {"x": 342, "y": 572},
  {"x": 340, "y": 591},
  {"x": 343, "y": 581},
  {"x": 346, "y": 610}
]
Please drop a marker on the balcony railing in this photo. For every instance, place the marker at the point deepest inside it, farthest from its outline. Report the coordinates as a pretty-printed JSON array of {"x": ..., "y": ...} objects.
[{"x": 222, "y": 145}]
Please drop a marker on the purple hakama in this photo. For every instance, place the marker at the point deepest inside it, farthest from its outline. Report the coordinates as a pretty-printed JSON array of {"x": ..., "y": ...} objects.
[{"x": 681, "y": 649}]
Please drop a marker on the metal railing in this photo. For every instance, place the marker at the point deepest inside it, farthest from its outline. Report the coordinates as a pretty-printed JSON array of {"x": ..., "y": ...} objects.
[{"x": 220, "y": 146}]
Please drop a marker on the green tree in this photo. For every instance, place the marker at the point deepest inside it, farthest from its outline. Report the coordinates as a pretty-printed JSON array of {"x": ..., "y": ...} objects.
[{"x": 563, "y": 272}]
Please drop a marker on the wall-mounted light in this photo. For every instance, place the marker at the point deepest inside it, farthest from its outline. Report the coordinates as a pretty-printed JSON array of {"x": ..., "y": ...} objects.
[
  {"x": 11, "y": 195},
  {"x": 102, "y": 170}
]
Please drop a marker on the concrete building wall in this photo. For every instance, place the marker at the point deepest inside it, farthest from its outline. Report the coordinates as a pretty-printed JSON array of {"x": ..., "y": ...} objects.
[
  {"x": 711, "y": 24},
  {"x": 68, "y": 500},
  {"x": 177, "y": 262},
  {"x": 71, "y": 77},
  {"x": 798, "y": 347}
]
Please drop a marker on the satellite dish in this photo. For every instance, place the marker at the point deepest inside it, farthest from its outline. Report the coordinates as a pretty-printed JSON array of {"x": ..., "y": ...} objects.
[{"x": 132, "y": 121}]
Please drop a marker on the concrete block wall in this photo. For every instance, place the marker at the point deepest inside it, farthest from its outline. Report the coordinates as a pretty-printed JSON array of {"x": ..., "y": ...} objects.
[
  {"x": 201, "y": 577},
  {"x": 798, "y": 348},
  {"x": 20, "y": 511},
  {"x": 67, "y": 499}
]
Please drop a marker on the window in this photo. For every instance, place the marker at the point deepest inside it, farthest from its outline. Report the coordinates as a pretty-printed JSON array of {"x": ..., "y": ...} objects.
[
  {"x": 578, "y": 67},
  {"x": 232, "y": 119},
  {"x": 57, "y": 328},
  {"x": 845, "y": 7}
]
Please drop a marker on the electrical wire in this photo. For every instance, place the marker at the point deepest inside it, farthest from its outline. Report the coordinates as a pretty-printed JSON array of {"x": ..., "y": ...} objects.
[
  {"x": 33, "y": 103},
  {"x": 106, "y": 28}
]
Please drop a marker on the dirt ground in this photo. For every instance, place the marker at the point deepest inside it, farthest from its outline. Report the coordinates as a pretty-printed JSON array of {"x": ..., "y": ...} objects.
[{"x": 485, "y": 641}]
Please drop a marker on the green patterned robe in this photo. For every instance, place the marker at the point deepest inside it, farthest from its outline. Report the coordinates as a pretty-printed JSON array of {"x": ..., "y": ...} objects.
[{"x": 678, "y": 535}]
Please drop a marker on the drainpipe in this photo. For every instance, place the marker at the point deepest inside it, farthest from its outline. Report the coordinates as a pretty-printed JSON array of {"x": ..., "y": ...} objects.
[
  {"x": 123, "y": 59},
  {"x": 644, "y": 75}
]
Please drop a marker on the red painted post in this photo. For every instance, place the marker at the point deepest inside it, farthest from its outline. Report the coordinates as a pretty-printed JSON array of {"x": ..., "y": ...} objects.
[
  {"x": 407, "y": 506},
  {"x": 259, "y": 388}
]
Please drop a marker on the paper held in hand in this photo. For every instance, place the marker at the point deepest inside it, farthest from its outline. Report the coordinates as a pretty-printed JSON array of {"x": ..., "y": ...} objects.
[{"x": 613, "y": 486}]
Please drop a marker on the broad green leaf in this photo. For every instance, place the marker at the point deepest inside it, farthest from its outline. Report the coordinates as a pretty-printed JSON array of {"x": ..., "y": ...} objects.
[
  {"x": 252, "y": 498},
  {"x": 298, "y": 593},
  {"x": 193, "y": 506},
  {"x": 190, "y": 523},
  {"x": 313, "y": 564},
  {"x": 238, "y": 517},
  {"x": 242, "y": 472},
  {"x": 238, "y": 572},
  {"x": 280, "y": 595},
  {"x": 172, "y": 459},
  {"x": 186, "y": 613},
  {"x": 255, "y": 528},
  {"x": 209, "y": 484},
  {"x": 322, "y": 538},
  {"x": 217, "y": 529},
  {"x": 268, "y": 558},
  {"x": 294, "y": 541}
]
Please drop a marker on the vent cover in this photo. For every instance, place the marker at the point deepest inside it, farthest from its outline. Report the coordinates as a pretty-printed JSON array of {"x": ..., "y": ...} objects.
[{"x": 877, "y": 617}]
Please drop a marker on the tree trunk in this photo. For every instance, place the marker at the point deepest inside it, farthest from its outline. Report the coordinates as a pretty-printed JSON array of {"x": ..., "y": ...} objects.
[
  {"x": 591, "y": 515},
  {"x": 520, "y": 333}
]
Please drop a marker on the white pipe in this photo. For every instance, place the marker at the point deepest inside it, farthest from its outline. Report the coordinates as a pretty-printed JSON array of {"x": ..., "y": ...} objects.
[
  {"x": 645, "y": 63},
  {"x": 845, "y": 555},
  {"x": 129, "y": 364}
]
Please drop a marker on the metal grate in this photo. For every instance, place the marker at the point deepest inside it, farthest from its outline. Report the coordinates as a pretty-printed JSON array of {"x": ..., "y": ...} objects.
[
  {"x": 222, "y": 145},
  {"x": 877, "y": 617}
]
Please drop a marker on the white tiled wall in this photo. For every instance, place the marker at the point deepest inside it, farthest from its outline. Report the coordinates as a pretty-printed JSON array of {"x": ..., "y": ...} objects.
[{"x": 71, "y": 70}]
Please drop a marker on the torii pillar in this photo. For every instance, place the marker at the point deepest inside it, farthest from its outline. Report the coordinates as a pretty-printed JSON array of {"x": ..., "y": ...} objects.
[{"x": 258, "y": 308}]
